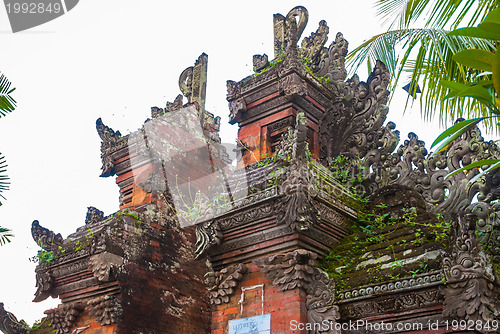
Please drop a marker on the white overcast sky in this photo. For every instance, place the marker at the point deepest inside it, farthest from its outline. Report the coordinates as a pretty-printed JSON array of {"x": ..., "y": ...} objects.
[{"x": 116, "y": 59}]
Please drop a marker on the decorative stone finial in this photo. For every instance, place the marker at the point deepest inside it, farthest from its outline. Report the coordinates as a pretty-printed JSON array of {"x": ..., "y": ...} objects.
[{"x": 193, "y": 82}]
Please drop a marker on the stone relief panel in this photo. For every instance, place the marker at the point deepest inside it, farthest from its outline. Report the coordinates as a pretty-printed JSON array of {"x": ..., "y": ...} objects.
[{"x": 222, "y": 284}]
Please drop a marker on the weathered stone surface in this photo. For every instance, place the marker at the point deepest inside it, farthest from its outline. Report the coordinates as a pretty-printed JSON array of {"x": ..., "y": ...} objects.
[{"x": 9, "y": 323}]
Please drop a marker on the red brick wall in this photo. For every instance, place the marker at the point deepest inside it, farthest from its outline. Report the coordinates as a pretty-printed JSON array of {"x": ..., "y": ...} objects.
[{"x": 283, "y": 306}]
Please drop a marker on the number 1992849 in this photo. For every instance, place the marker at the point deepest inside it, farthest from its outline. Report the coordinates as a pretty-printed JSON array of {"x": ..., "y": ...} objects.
[{"x": 33, "y": 7}]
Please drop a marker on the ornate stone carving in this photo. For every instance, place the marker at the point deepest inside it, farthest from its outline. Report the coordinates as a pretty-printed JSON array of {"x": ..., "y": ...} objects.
[
  {"x": 44, "y": 285},
  {"x": 64, "y": 316},
  {"x": 312, "y": 47},
  {"x": 45, "y": 238},
  {"x": 106, "y": 309},
  {"x": 171, "y": 106},
  {"x": 260, "y": 62},
  {"x": 9, "y": 323},
  {"x": 236, "y": 107},
  {"x": 93, "y": 215},
  {"x": 292, "y": 85},
  {"x": 233, "y": 90},
  {"x": 252, "y": 214},
  {"x": 297, "y": 269},
  {"x": 319, "y": 302},
  {"x": 291, "y": 270},
  {"x": 469, "y": 292},
  {"x": 488, "y": 228},
  {"x": 111, "y": 141},
  {"x": 353, "y": 126},
  {"x": 331, "y": 62},
  {"x": 281, "y": 29},
  {"x": 297, "y": 209},
  {"x": 393, "y": 303},
  {"x": 193, "y": 82},
  {"x": 208, "y": 234},
  {"x": 102, "y": 265},
  {"x": 400, "y": 285},
  {"x": 222, "y": 284}
]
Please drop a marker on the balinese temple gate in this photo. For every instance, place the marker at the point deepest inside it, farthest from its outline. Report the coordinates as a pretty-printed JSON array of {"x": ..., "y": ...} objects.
[{"x": 323, "y": 225}]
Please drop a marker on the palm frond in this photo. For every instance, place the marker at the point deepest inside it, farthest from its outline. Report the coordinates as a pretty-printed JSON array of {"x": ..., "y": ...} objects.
[
  {"x": 5, "y": 235},
  {"x": 7, "y": 102},
  {"x": 4, "y": 179},
  {"x": 427, "y": 59},
  {"x": 437, "y": 13}
]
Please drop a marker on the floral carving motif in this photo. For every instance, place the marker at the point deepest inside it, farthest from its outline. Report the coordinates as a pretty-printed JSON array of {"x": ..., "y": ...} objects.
[
  {"x": 223, "y": 283},
  {"x": 106, "y": 309},
  {"x": 45, "y": 238},
  {"x": 64, "y": 316},
  {"x": 297, "y": 270},
  {"x": 291, "y": 270},
  {"x": 469, "y": 293}
]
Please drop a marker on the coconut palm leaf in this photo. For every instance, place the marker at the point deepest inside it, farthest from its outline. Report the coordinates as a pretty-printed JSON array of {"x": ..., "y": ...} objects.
[
  {"x": 437, "y": 13},
  {"x": 4, "y": 179},
  {"x": 7, "y": 102},
  {"x": 426, "y": 57},
  {"x": 5, "y": 235}
]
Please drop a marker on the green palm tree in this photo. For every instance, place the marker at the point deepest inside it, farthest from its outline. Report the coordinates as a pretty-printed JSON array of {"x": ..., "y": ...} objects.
[
  {"x": 419, "y": 30},
  {"x": 7, "y": 105}
]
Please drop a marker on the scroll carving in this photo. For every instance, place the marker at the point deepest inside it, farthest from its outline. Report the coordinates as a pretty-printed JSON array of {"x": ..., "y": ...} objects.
[
  {"x": 44, "y": 285},
  {"x": 64, "y": 316},
  {"x": 106, "y": 309},
  {"x": 297, "y": 270},
  {"x": 222, "y": 284},
  {"x": 45, "y": 238},
  {"x": 9, "y": 323},
  {"x": 319, "y": 302},
  {"x": 469, "y": 292},
  {"x": 353, "y": 126},
  {"x": 208, "y": 234},
  {"x": 281, "y": 29},
  {"x": 111, "y": 141}
]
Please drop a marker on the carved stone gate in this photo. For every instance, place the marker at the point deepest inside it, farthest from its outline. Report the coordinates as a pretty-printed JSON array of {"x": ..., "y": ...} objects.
[{"x": 406, "y": 249}]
